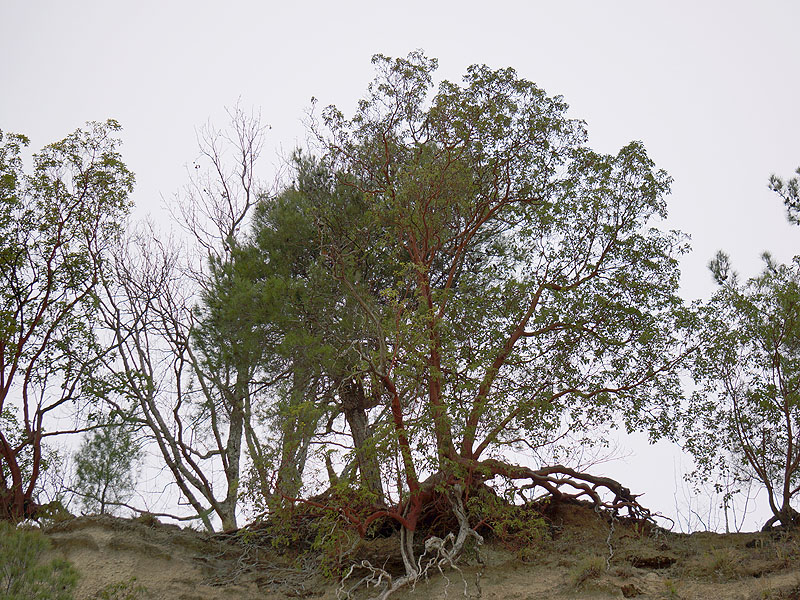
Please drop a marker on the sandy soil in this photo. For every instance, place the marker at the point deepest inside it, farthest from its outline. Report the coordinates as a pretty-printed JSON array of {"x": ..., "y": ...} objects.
[{"x": 583, "y": 557}]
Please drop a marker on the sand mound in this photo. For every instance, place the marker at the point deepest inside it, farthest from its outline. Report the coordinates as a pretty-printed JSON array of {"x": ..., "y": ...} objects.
[{"x": 586, "y": 555}]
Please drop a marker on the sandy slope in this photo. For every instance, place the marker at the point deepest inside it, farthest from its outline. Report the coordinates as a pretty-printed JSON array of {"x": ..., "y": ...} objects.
[{"x": 580, "y": 561}]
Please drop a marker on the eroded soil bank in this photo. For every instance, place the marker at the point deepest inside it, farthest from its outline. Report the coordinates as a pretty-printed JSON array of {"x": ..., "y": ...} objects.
[{"x": 585, "y": 556}]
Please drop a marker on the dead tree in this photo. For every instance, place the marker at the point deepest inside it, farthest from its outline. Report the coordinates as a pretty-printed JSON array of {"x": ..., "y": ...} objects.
[{"x": 192, "y": 379}]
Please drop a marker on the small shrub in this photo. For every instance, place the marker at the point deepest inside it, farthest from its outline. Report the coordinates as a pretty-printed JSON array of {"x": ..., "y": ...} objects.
[
  {"x": 148, "y": 519},
  {"x": 623, "y": 571},
  {"x": 53, "y": 512},
  {"x": 787, "y": 549},
  {"x": 305, "y": 529},
  {"x": 22, "y": 574},
  {"x": 334, "y": 543},
  {"x": 588, "y": 568},
  {"x": 335, "y": 539},
  {"x": 671, "y": 589},
  {"x": 519, "y": 528}
]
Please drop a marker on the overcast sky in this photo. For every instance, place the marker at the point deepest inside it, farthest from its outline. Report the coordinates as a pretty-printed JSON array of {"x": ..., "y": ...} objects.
[{"x": 711, "y": 88}]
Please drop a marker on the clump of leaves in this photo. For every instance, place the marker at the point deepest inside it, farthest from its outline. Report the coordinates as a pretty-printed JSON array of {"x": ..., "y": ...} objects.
[
  {"x": 334, "y": 543},
  {"x": 324, "y": 528},
  {"x": 724, "y": 565},
  {"x": 520, "y": 528},
  {"x": 22, "y": 574},
  {"x": 283, "y": 529},
  {"x": 105, "y": 465},
  {"x": 671, "y": 589},
  {"x": 148, "y": 519},
  {"x": 53, "y": 512},
  {"x": 336, "y": 538}
]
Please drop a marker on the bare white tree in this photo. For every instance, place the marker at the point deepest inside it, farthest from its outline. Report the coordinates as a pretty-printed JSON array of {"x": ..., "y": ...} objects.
[{"x": 193, "y": 389}]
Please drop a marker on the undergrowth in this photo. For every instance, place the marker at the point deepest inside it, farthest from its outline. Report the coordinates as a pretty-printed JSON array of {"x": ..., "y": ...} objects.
[
  {"x": 588, "y": 568},
  {"x": 23, "y": 576},
  {"x": 521, "y": 529}
]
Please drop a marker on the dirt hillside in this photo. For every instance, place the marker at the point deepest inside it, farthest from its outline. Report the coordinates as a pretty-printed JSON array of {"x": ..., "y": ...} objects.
[{"x": 584, "y": 555}]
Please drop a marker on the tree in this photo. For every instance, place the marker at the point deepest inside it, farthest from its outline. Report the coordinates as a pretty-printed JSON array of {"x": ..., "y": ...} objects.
[
  {"x": 789, "y": 191},
  {"x": 104, "y": 465},
  {"x": 56, "y": 225},
  {"x": 190, "y": 377},
  {"x": 745, "y": 418},
  {"x": 531, "y": 288},
  {"x": 315, "y": 325}
]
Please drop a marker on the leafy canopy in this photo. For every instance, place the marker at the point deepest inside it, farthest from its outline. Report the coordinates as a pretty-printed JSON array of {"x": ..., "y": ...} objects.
[
  {"x": 56, "y": 224},
  {"x": 529, "y": 286},
  {"x": 746, "y": 416}
]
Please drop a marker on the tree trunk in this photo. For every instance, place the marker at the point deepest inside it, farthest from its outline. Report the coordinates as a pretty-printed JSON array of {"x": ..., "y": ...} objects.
[
  {"x": 297, "y": 428},
  {"x": 354, "y": 404},
  {"x": 295, "y": 441},
  {"x": 233, "y": 451},
  {"x": 16, "y": 502},
  {"x": 788, "y": 518}
]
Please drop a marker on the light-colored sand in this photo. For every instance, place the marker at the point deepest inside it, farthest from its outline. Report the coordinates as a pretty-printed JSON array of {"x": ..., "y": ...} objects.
[{"x": 179, "y": 564}]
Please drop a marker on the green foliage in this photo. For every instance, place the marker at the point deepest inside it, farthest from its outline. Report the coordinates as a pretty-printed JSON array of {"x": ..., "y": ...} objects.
[
  {"x": 529, "y": 286},
  {"x": 56, "y": 226},
  {"x": 519, "y": 528},
  {"x": 464, "y": 261},
  {"x": 283, "y": 530},
  {"x": 304, "y": 322},
  {"x": 104, "y": 466},
  {"x": 335, "y": 541},
  {"x": 53, "y": 512},
  {"x": 461, "y": 259},
  {"x": 671, "y": 589},
  {"x": 745, "y": 418},
  {"x": 23, "y": 575},
  {"x": 789, "y": 191},
  {"x": 320, "y": 532}
]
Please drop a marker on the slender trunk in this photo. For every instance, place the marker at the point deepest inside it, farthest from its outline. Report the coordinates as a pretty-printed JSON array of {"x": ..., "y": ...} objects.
[
  {"x": 103, "y": 498},
  {"x": 233, "y": 451},
  {"x": 16, "y": 504},
  {"x": 354, "y": 404},
  {"x": 295, "y": 441},
  {"x": 298, "y": 427}
]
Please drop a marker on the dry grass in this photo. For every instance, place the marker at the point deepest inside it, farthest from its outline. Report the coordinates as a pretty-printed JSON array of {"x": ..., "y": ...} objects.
[
  {"x": 721, "y": 564},
  {"x": 587, "y": 569}
]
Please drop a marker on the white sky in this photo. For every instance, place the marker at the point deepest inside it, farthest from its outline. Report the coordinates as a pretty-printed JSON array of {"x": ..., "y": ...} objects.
[{"x": 711, "y": 87}]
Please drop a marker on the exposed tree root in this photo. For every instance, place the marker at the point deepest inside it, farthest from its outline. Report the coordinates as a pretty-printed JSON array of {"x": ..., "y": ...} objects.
[
  {"x": 556, "y": 478},
  {"x": 441, "y": 499},
  {"x": 439, "y": 554},
  {"x": 789, "y": 519}
]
